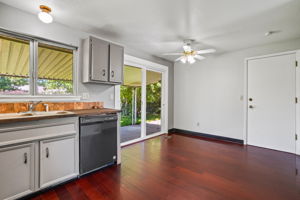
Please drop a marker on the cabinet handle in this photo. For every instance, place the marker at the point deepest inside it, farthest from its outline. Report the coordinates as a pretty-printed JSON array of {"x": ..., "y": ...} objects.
[
  {"x": 112, "y": 73},
  {"x": 47, "y": 152},
  {"x": 103, "y": 72},
  {"x": 25, "y": 158}
]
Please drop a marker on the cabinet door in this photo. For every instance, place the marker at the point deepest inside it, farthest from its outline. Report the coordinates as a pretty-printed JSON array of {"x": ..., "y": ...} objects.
[
  {"x": 116, "y": 63},
  {"x": 99, "y": 59},
  {"x": 57, "y": 160},
  {"x": 16, "y": 171}
]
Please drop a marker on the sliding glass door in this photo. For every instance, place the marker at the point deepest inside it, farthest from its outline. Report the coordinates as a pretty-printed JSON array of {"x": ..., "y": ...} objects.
[
  {"x": 141, "y": 97},
  {"x": 153, "y": 102},
  {"x": 130, "y": 95}
]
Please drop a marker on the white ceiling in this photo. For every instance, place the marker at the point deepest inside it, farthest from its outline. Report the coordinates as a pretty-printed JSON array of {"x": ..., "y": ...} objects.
[{"x": 159, "y": 26}]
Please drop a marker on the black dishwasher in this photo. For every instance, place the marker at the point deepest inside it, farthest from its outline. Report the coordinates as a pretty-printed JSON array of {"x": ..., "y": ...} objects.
[{"x": 98, "y": 142}]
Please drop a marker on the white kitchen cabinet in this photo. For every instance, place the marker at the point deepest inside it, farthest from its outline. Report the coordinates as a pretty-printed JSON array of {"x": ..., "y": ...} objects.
[
  {"x": 37, "y": 154},
  {"x": 57, "y": 160},
  {"x": 99, "y": 59},
  {"x": 116, "y": 63},
  {"x": 16, "y": 171},
  {"x": 102, "y": 62}
]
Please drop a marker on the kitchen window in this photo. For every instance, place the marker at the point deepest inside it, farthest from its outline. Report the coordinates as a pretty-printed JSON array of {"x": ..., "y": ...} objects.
[
  {"x": 14, "y": 66},
  {"x": 35, "y": 67},
  {"x": 55, "y": 70}
]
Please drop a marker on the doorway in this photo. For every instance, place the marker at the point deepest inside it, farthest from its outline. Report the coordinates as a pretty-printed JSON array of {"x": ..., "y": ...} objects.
[
  {"x": 271, "y": 102},
  {"x": 143, "y": 100},
  {"x": 131, "y": 99}
]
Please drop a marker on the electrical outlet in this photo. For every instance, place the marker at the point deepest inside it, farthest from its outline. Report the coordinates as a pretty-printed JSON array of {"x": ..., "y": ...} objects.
[{"x": 85, "y": 96}]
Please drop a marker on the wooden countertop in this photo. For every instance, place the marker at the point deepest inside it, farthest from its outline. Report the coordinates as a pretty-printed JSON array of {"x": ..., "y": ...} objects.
[{"x": 71, "y": 113}]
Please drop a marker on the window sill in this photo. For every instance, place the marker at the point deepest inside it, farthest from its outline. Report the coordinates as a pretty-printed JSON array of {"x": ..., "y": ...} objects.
[{"x": 10, "y": 98}]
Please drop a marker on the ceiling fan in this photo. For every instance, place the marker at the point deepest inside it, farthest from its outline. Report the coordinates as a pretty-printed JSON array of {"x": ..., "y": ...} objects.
[{"x": 189, "y": 55}]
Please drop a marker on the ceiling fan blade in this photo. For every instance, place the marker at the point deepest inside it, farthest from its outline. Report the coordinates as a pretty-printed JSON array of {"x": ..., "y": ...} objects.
[
  {"x": 172, "y": 54},
  {"x": 179, "y": 58},
  {"x": 206, "y": 51},
  {"x": 198, "y": 57}
]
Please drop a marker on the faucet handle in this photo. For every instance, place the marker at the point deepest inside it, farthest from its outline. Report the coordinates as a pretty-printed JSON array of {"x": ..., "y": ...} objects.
[
  {"x": 46, "y": 107},
  {"x": 32, "y": 105}
]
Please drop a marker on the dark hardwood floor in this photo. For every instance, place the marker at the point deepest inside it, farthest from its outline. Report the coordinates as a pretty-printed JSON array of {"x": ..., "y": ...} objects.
[{"x": 188, "y": 168}]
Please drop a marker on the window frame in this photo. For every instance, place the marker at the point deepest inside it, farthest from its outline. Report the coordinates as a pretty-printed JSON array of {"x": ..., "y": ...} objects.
[{"x": 33, "y": 70}]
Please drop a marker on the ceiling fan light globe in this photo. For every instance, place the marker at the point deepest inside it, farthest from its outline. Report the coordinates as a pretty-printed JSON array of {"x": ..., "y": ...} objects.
[
  {"x": 187, "y": 48},
  {"x": 189, "y": 58},
  {"x": 192, "y": 60},
  {"x": 183, "y": 60}
]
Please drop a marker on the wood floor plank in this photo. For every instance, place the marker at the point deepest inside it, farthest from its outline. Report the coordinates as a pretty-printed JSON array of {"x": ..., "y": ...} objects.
[
  {"x": 50, "y": 195},
  {"x": 189, "y": 168},
  {"x": 90, "y": 190},
  {"x": 75, "y": 191}
]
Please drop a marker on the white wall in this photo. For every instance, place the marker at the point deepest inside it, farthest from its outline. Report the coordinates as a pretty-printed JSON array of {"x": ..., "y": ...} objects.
[
  {"x": 19, "y": 21},
  {"x": 209, "y": 92}
]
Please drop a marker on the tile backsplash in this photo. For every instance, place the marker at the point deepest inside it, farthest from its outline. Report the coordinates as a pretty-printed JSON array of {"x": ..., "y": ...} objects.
[{"x": 15, "y": 107}]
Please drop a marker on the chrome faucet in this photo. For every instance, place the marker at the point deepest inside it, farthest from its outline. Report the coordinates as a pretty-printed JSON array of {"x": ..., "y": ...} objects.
[{"x": 32, "y": 105}]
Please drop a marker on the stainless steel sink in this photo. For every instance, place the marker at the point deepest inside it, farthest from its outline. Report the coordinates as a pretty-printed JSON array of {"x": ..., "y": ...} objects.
[{"x": 25, "y": 114}]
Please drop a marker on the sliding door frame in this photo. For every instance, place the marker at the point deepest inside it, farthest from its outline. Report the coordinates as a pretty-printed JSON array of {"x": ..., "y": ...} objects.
[{"x": 147, "y": 65}]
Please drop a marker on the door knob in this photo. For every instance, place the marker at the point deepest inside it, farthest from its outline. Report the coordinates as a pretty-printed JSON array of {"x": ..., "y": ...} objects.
[{"x": 251, "y": 106}]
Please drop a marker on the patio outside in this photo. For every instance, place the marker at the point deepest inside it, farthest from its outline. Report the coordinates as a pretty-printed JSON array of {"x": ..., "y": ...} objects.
[{"x": 131, "y": 94}]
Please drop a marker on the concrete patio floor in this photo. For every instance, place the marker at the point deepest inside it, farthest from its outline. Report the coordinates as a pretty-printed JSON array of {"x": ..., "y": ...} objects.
[{"x": 134, "y": 131}]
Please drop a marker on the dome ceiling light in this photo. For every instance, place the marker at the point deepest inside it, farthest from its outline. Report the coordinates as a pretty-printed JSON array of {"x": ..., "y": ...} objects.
[{"x": 44, "y": 15}]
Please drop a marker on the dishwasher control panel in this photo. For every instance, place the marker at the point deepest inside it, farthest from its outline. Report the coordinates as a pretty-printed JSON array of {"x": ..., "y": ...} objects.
[{"x": 98, "y": 118}]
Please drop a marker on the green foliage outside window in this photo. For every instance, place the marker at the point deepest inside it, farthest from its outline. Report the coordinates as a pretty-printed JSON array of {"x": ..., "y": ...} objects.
[
  {"x": 12, "y": 85},
  {"x": 153, "y": 99},
  {"x": 55, "y": 86}
]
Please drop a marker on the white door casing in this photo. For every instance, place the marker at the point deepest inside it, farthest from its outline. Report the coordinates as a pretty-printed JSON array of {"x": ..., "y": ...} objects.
[
  {"x": 298, "y": 105},
  {"x": 272, "y": 87}
]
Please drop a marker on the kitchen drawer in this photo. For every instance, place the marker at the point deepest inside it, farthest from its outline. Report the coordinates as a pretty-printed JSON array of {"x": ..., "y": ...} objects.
[{"x": 20, "y": 134}]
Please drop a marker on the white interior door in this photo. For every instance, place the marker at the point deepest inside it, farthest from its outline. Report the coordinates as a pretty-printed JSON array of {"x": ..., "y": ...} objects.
[{"x": 271, "y": 102}]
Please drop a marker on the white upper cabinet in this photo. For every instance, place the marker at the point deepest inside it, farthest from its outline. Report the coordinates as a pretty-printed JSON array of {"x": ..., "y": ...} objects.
[
  {"x": 116, "y": 63},
  {"x": 102, "y": 61},
  {"x": 16, "y": 171},
  {"x": 99, "y": 59}
]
